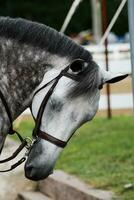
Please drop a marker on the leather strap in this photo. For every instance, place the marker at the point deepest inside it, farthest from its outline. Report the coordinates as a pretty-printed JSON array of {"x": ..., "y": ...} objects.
[
  {"x": 50, "y": 138},
  {"x": 45, "y": 100},
  {"x": 23, "y": 144},
  {"x": 18, "y": 150},
  {"x": 37, "y": 132},
  {"x": 14, "y": 165}
]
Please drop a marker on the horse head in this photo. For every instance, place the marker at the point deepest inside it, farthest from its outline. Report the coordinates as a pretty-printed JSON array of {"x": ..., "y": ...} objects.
[{"x": 65, "y": 111}]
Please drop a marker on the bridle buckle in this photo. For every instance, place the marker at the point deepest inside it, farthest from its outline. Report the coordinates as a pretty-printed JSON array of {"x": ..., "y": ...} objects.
[{"x": 29, "y": 142}]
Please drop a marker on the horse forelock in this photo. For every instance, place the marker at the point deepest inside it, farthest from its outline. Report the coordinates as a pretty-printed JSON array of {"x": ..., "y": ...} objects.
[{"x": 87, "y": 81}]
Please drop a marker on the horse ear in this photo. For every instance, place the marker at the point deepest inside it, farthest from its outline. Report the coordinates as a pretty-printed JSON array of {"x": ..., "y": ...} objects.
[
  {"x": 116, "y": 78},
  {"x": 78, "y": 66},
  {"x": 109, "y": 77}
]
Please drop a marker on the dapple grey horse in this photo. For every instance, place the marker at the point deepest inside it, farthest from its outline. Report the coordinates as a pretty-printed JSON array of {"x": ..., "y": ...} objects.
[{"x": 31, "y": 55}]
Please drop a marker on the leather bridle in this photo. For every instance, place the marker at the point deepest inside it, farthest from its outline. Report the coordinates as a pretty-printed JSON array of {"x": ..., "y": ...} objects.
[
  {"x": 37, "y": 133},
  {"x": 24, "y": 142}
]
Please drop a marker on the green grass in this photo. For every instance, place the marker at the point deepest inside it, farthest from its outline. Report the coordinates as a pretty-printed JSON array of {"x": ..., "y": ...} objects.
[{"x": 101, "y": 153}]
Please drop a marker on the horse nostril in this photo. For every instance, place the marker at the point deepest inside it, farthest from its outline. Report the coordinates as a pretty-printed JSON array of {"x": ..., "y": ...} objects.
[{"x": 28, "y": 171}]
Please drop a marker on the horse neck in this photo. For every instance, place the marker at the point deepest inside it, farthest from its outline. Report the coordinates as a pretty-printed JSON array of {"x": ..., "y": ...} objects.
[{"x": 21, "y": 71}]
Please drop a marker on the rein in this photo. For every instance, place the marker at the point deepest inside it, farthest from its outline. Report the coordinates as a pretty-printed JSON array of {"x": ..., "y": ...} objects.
[
  {"x": 24, "y": 142},
  {"x": 37, "y": 133}
]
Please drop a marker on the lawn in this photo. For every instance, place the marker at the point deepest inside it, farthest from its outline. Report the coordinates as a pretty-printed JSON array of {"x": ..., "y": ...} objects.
[{"x": 101, "y": 153}]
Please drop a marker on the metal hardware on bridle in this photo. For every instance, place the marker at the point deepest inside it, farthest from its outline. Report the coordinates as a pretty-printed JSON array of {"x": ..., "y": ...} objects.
[
  {"x": 24, "y": 142},
  {"x": 27, "y": 142}
]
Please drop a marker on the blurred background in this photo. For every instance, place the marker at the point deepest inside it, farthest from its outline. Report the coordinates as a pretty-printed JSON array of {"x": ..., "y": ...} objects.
[
  {"x": 53, "y": 13},
  {"x": 102, "y": 153}
]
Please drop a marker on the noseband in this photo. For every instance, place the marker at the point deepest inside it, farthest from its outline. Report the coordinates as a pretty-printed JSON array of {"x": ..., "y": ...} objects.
[{"x": 37, "y": 133}]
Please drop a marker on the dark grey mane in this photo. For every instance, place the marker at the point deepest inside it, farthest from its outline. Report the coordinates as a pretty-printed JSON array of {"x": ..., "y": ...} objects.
[{"x": 44, "y": 37}]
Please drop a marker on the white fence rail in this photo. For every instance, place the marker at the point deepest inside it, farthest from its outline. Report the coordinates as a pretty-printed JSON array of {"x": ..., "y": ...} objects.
[{"x": 116, "y": 51}]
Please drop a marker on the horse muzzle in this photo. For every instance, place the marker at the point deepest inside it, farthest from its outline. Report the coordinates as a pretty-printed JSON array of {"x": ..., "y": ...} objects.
[{"x": 36, "y": 174}]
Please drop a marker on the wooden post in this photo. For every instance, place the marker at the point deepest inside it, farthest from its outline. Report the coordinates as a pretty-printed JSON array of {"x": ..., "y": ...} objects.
[
  {"x": 104, "y": 25},
  {"x": 131, "y": 30}
]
